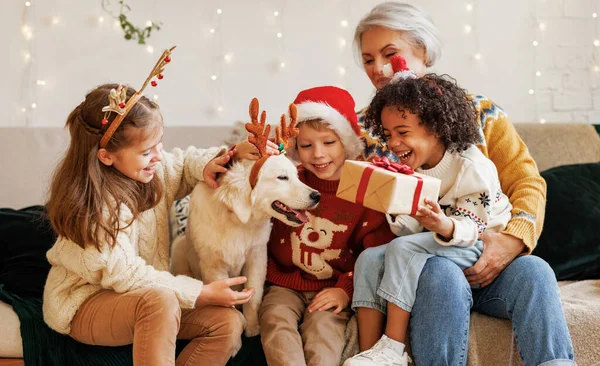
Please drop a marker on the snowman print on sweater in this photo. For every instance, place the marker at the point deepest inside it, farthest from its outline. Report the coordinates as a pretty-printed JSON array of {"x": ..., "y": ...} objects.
[{"x": 310, "y": 250}]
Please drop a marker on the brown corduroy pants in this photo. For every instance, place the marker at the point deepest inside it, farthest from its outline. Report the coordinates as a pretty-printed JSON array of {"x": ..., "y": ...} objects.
[
  {"x": 291, "y": 335},
  {"x": 152, "y": 320}
]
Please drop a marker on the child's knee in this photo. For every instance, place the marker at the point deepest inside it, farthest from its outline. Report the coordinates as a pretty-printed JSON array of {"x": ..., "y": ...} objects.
[
  {"x": 396, "y": 247},
  {"x": 161, "y": 302},
  {"x": 274, "y": 318},
  {"x": 229, "y": 321},
  {"x": 370, "y": 259}
]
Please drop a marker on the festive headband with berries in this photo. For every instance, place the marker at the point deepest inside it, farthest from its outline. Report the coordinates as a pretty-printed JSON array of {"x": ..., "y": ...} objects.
[
  {"x": 397, "y": 70},
  {"x": 117, "y": 97},
  {"x": 260, "y": 135}
]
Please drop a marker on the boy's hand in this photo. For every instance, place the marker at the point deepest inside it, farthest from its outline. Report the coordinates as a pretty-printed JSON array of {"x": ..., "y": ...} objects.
[
  {"x": 435, "y": 220},
  {"x": 220, "y": 293},
  {"x": 246, "y": 150},
  {"x": 329, "y": 298},
  {"x": 216, "y": 166}
]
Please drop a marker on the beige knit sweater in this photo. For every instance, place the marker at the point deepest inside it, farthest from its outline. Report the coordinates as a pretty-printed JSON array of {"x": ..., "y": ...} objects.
[{"x": 139, "y": 259}]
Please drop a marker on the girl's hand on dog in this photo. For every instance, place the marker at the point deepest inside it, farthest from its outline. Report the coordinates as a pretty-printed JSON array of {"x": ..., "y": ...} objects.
[
  {"x": 329, "y": 298},
  {"x": 220, "y": 293},
  {"x": 435, "y": 220},
  {"x": 216, "y": 166},
  {"x": 245, "y": 150}
]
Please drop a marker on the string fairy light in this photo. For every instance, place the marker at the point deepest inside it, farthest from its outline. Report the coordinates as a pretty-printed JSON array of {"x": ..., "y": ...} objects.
[
  {"x": 471, "y": 29},
  {"x": 280, "y": 63},
  {"x": 216, "y": 73},
  {"x": 228, "y": 57},
  {"x": 28, "y": 90},
  {"x": 539, "y": 27},
  {"x": 343, "y": 39},
  {"x": 595, "y": 64}
]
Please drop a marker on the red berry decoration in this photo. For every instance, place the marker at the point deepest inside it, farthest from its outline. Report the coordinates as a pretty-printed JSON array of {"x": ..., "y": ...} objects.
[
  {"x": 160, "y": 76},
  {"x": 104, "y": 121},
  {"x": 122, "y": 105},
  {"x": 168, "y": 59},
  {"x": 154, "y": 83}
]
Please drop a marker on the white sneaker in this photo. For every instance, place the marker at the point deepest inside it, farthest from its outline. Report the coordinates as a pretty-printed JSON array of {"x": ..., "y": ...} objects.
[{"x": 383, "y": 353}]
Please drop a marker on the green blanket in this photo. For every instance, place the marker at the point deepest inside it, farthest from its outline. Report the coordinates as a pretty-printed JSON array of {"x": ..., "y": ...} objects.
[{"x": 43, "y": 346}]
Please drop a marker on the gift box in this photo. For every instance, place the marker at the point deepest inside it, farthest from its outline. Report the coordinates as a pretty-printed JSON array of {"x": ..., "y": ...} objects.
[{"x": 386, "y": 187}]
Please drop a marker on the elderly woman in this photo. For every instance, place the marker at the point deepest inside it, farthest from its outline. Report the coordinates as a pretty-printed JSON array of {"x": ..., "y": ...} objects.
[{"x": 506, "y": 281}]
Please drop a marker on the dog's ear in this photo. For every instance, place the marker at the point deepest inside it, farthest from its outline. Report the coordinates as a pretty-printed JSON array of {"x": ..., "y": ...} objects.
[
  {"x": 237, "y": 199},
  {"x": 242, "y": 207}
]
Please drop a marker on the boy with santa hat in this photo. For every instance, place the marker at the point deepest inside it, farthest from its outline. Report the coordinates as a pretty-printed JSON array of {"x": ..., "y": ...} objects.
[{"x": 305, "y": 308}]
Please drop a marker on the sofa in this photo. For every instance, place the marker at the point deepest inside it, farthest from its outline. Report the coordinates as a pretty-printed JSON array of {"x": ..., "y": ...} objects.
[{"x": 560, "y": 150}]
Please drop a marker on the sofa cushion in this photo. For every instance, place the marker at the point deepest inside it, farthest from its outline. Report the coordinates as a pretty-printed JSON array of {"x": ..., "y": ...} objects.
[
  {"x": 10, "y": 342},
  {"x": 557, "y": 144},
  {"x": 570, "y": 241}
]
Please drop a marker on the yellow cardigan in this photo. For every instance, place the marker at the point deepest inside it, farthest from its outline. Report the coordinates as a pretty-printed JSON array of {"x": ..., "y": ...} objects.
[{"x": 518, "y": 172}]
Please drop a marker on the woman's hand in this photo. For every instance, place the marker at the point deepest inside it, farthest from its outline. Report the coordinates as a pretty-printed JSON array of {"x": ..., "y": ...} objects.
[
  {"x": 499, "y": 250},
  {"x": 220, "y": 293},
  {"x": 246, "y": 150},
  {"x": 216, "y": 166},
  {"x": 435, "y": 220},
  {"x": 329, "y": 298}
]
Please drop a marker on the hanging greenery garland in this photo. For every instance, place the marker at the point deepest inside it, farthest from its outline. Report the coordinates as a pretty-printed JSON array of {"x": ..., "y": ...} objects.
[{"x": 131, "y": 32}]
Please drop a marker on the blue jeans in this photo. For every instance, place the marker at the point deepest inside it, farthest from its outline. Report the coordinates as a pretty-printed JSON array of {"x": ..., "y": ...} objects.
[
  {"x": 525, "y": 292},
  {"x": 405, "y": 258}
]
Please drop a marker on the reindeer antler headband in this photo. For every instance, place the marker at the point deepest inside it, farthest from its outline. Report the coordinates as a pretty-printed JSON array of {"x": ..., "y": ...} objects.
[
  {"x": 260, "y": 135},
  {"x": 117, "y": 98}
]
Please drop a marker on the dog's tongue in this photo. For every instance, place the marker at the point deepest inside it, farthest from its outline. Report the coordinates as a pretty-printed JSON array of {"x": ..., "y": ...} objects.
[{"x": 300, "y": 215}]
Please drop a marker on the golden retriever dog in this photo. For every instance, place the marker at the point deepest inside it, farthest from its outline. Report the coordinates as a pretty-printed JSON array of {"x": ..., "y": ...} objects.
[{"x": 228, "y": 227}]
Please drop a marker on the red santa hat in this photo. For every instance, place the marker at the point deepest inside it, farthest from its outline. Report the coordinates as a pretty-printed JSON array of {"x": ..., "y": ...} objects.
[{"x": 334, "y": 106}]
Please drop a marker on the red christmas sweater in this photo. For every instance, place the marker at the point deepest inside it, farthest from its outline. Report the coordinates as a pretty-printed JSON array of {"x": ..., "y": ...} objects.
[{"x": 322, "y": 252}]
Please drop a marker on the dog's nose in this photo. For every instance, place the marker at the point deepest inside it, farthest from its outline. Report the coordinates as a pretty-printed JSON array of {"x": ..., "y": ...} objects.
[{"x": 315, "y": 196}]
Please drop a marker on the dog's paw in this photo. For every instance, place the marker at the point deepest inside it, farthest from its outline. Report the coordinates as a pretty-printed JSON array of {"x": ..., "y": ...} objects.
[
  {"x": 237, "y": 347},
  {"x": 252, "y": 330}
]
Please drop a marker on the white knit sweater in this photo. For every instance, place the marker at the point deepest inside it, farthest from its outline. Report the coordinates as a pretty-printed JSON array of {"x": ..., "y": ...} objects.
[
  {"x": 140, "y": 257},
  {"x": 470, "y": 195}
]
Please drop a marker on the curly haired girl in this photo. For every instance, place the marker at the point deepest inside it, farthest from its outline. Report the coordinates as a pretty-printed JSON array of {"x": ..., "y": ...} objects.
[{"x": 429, "y": 124}]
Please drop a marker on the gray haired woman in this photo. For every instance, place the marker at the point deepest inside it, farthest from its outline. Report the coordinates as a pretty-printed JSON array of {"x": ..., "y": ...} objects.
[{"x": 506, "y": 281}]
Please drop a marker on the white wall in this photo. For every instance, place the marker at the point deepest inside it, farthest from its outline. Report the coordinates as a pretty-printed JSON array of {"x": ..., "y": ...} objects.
[{"x": 78, "y": 53}]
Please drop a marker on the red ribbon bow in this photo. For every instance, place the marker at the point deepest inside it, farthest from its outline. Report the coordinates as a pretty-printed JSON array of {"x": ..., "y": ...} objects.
[{"x": 385, "y": 163}]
